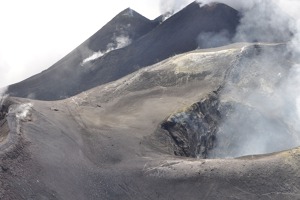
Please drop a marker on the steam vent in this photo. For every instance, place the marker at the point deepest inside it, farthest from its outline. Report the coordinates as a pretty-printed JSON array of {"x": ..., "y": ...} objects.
[{"x": 198, "y": 103}]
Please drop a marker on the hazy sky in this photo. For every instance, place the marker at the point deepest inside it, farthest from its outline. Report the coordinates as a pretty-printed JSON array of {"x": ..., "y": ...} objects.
[{"x": 34, "y": 34}]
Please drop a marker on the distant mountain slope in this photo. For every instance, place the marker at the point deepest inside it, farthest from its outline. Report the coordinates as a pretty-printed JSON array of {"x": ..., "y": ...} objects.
[
  {"x": 62, "y": 77},
  {"x": 176, "y": 35},
  {"x": 127, "y": 23}
]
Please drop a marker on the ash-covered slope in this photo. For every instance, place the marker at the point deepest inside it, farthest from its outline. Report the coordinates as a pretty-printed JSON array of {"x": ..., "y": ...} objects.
[
  {"x": 109, "y": 142},
  {"x": 178, "y": 34}
]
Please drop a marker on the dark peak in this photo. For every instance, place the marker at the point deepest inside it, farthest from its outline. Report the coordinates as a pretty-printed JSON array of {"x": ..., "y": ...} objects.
[
  {"x": 196, "y": 11},
  {"x": 128, "y": 12},
  {"x": 205, "y": 4},
  {"x": 213, "y": 6},
  {"x": 128, "y": 23},
  {"x": 196, "y": 7},
  {"x": 208, "y": 6}
]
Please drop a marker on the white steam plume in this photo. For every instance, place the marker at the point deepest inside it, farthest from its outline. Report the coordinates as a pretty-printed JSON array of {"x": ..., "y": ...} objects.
[
  {"x": 270, "y": 88},
  {"x": 212, "y": 39},
  {"x": 22, "y": 112},
  {"x": 261, "y": 21},
  {"x": 119, "y": 42},
  {"x": 264, "y": 21},
  {"x": 170, "y": 7}
]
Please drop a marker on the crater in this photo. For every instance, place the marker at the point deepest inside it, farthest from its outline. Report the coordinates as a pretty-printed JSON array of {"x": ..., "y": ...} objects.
[{"x": 214, "y": 128}]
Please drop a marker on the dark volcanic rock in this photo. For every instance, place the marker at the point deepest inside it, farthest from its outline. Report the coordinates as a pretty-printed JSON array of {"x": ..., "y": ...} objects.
[
  {"x": 249, "y": 114},
  {"x": 127, "y": 23},
  {"x": 193, "y": 132},
  {"x": 176, "y": 35},
  {"x": 210, "y": 129}
]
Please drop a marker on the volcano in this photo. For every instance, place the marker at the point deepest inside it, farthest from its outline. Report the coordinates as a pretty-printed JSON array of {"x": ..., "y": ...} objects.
[{"x": 156, "y": 117}]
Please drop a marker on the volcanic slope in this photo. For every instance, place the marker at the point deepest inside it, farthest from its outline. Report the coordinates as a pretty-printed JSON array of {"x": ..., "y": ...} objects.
[
  {"x": 152, "y": 42},
  {"x": 107, "y": 142},
  {"x": 62, "y": 78}
]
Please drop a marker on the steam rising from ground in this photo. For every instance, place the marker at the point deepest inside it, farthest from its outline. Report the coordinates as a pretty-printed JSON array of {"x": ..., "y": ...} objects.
[
  {"x": 264, "y": 22},
  {"x": 261, "y": 21},
  {"x": 22, "y": 111},
  {"x": 270, "y": 88},
  {"x": 260, "y": 103},
  {"x": 170, "y": 7},
  {"x": 212, "y": 39},
  {"x": 119, "y": 42}
]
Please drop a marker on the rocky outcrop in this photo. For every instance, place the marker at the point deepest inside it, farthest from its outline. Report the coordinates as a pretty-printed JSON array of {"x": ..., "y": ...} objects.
[
  {"x": 214, "y": 129},
  {"x": 251, "y": 113},
  {"x": 193, "y": 132}
]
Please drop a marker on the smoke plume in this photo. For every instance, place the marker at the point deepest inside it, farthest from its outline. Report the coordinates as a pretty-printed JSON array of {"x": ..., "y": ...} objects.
[
  {"x": 265, "y": 21},
  {"x": 118, "y": 42},
  {"x": 22, "y": 112},
  {"x": 265, "y": 84},
  {"x": 170, "y": 7}
]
